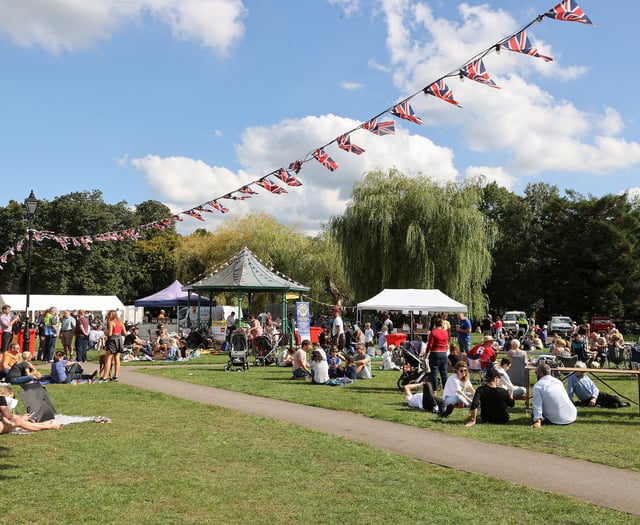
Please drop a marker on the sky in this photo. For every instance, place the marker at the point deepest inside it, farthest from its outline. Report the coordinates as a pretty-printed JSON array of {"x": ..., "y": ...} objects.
[{"x": 184, "y": 101}]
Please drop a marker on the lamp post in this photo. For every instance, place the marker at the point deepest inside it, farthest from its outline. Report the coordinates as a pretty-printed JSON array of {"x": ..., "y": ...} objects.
[{"x": 31, "y": 205}]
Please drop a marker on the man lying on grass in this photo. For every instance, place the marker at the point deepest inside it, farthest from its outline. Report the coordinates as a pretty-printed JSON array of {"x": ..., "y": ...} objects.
[{"x": 11, "y": 421}]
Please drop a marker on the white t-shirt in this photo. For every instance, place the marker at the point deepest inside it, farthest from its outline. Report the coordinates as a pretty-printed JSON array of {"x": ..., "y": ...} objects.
[
  {"x": 320, "y": 371},
  {"x": 368, "y": 336},
  {"x": 415, "y": 401},
  {"x": 337, "y": 327},
  {"x": 454, "y": 385}
]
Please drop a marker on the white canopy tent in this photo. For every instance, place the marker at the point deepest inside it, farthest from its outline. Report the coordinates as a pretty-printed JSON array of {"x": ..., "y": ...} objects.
[
  {"x": 412, "y": 300},
  {"x": 39, "y": 303}
]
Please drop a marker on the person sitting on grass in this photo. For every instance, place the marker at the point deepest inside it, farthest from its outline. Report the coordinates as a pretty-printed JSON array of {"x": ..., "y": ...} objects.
[
  {"x": 319, "y": 368},
  {"x": 492, "y": 400},
  {"x": 387, "y": 359},
  {"x": 458, "y": 389},
  {"x": 426, "y": 400},
  {"x": 301, "y": 369},
  {"x": 335, "y": 363},
  {"x": 9, "y": 358},
  {"x": 363, "y": 362},
  {"x": 588, "y": 394},
  {"x": 285, "y": 358},
  {"x": 551, "y": 404},
  {"x": 63, "y": 371},
  {"x": 10, "y": 421},
  {"x": 23, "y": 371},
  {"x": 350, "y": 368}
]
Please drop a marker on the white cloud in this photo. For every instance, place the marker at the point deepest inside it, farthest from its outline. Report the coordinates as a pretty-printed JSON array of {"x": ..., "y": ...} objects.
[
  {"x": 69, "y": 25},
  {"x": 350, "y": 86},
  {"x": 532, "y": 129},
  {"x": 491, "y": 174},
  {"x": 348, "y": 6},
  {"x": 184, "y": 183}
]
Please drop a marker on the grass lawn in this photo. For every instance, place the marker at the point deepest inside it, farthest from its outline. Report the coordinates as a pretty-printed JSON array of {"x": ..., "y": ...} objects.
[
  {"x": 166, "y": 460},
  {"x": 599, "y": 435}
]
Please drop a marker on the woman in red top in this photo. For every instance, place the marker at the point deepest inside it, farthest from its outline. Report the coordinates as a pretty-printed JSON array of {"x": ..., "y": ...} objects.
[
  {"x": 115, "y": 333},
  {"x": 438, "y": 346}
]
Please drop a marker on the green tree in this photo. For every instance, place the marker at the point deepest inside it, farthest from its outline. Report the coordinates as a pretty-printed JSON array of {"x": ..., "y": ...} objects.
[{"x": 401, "y": 232}]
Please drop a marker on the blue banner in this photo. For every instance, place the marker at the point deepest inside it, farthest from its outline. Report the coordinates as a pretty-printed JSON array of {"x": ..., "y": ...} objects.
[{"x": 303, "y": 320}]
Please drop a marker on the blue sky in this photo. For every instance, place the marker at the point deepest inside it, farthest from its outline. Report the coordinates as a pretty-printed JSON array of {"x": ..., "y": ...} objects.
[{"x": 183, "y": 101}]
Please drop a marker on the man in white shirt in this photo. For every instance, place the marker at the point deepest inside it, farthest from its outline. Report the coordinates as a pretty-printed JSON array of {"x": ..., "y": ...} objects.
[
  {"x": 337, "y": 329},
  {"x": 550, "y": 400}
]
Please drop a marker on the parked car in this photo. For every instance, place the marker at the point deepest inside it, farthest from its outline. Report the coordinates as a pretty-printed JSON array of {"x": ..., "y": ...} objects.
[
  {"x": 600, "y": 323},
  {"x": 510, "y": 320},
  {"x": 560, "y": 325}
]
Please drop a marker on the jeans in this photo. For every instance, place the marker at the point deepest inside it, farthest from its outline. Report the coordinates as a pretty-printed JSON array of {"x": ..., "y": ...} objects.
[
  {"x": 437, "y": 363},
  {"x": 464, "y": 345},
  {"x": 82, "y": 345},
  {"x": 49, "y": 347},
  {"x": 22, "y": 380},
  {"x": 454, "y": 400}
]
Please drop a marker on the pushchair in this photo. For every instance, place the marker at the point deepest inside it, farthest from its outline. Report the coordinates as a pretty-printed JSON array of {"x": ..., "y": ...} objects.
[
  {"x": 239, "y": 352},
  {"x": 414, "y": 367},
  {"x": 263, "y": 351}
]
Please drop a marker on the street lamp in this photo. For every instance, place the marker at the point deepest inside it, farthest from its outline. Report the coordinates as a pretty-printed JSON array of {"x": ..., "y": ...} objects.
[{"x": 31, "y": 205}]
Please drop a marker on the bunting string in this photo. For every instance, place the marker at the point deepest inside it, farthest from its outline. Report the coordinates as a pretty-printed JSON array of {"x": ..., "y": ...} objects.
[{"x": 473, "y": 69}]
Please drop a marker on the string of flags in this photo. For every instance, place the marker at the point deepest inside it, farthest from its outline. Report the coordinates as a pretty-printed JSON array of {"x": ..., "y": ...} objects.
[{"x": 474, "y": 69}]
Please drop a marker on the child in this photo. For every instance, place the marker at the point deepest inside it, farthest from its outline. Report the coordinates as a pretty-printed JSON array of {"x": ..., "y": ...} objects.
[
  {"x": 351, "y": 370},
  {"x": 387, "y": 359}
]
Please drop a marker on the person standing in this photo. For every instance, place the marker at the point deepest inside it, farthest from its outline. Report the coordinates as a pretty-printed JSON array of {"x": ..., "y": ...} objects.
[
  {"x": 6, "y": 324},
  {"x": 551, "y": 402},
  {"x": 82, "y": 337},
  {"x": 463, "y": 330},
  {"x": 67, "y": 328},
  {"x": 438, "y": 347},
  {"x": 51, "y": 326},
  {"x": 115, "y": 334},
  {"x": 231, "y": 326},
  {"x": 337, "y": 329}
]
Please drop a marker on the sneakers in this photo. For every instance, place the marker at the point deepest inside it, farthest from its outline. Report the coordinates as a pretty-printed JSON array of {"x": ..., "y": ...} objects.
[
  {"x": 114, "y": 379},
  {"x": 447, "y": 411},
  {"x": 624, "y": 404}
]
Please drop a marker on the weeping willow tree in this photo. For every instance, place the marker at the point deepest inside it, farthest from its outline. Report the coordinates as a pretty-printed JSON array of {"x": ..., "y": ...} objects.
[{"x": 401, "y": 232}]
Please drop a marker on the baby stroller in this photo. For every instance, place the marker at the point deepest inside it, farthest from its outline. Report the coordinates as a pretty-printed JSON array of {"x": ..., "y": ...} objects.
[
  {"x": 239, "y": 352},
  {"x": 414, "y": 367},
  {"x": 263, "y": 351}
]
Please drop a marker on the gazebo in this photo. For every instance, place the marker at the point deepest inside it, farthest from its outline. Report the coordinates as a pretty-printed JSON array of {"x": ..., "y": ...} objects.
[{"x": 244, "y": 273}]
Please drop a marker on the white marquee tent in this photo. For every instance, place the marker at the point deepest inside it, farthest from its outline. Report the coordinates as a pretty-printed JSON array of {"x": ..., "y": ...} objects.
[
  {"x": 412, "y": 300},
  {"x": 38, "y": 303}
]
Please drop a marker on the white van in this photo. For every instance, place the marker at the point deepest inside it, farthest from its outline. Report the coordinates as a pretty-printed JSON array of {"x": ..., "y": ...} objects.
[
  {"x": 510, "y": 320},
  {"x": 212, "y": 317}
]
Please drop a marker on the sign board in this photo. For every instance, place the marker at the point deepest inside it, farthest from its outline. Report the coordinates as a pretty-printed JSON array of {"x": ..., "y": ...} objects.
[{"x": 303, "y": 320}]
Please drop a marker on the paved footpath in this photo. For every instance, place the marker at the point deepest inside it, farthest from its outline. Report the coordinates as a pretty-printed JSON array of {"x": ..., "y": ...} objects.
[{"x": 602, "y": 485}]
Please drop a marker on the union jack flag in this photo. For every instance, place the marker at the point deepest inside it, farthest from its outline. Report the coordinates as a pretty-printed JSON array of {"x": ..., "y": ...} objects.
[
  {"x": 247, "y": 190},
  {"x": 476, "y": 71},
  {"x": 520, "y": 43},
  {"x": 195, "y": 215},
  {"x": 271, "y": 186},
  {"x": 344, "y": 142},
  {"x": 202, "y": 209},
  {"x": 569, "y": 11},
  {"x": 440, "y": 89},
  {"x": 287, "y": 178},
  {"x": 296, "y": 166},
  {"x": 236, "y": 197},
  {"x": 324, "y": 159},
  {"x": 405, "y": 111},
  {"x": 177, "y": 218},
  {"x": 19, "y": 245},
  {"x": 215, "y": 204},
  {"x": 380, "y": 128}
]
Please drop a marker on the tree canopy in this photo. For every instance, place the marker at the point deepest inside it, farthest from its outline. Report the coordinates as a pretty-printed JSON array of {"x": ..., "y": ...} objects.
[{"x": 412, "y": 232}]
